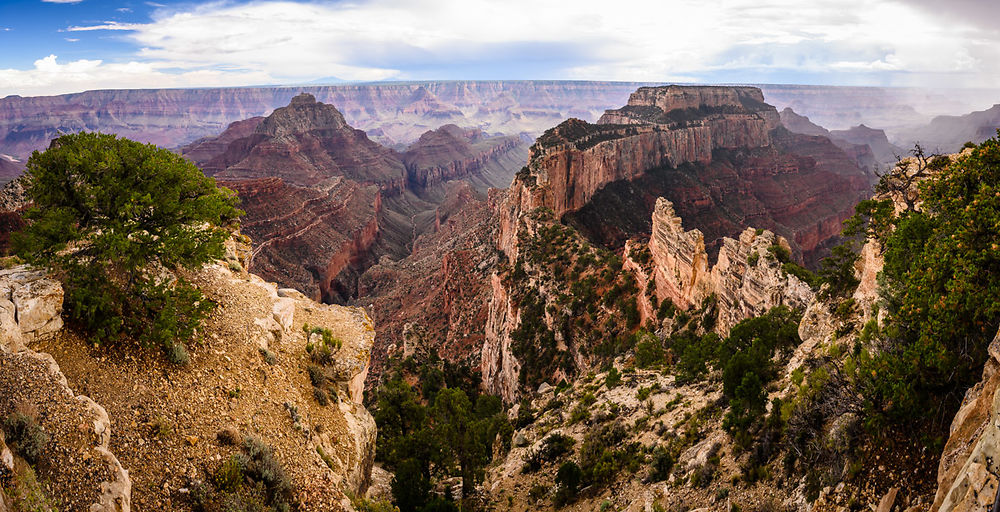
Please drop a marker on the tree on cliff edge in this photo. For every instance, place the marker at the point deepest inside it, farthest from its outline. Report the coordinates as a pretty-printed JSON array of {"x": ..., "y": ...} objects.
[{"x": 113, "y": 219}]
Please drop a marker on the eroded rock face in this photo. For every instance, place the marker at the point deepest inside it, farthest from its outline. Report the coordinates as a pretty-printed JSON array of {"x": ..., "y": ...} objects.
[
  {"x": 305, "y": 144},
  {"x": 30, "y": 306},
  {"x": 747, "y": 279},
  {"x": 967, "y": 472},
  {"x": 395, "y": 113}
]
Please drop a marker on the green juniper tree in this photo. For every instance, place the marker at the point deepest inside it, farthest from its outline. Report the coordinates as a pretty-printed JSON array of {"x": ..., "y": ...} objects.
[{"x": 112, "y": 219}]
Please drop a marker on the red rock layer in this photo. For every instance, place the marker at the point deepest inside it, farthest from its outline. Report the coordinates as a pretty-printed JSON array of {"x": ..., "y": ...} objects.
[
  {"x": 324, "y": 203},
  {"x": 306, "y": 238},
  {"x": 437, "y": 296}
]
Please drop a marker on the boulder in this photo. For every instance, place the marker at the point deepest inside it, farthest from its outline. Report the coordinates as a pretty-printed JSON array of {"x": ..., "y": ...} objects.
[
  {"x": 30, "y": 305},
  {"x": 284, "y": 312}
]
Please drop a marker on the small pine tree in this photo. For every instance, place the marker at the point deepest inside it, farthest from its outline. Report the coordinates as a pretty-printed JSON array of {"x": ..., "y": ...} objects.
[{"x": 109, "y": 215}]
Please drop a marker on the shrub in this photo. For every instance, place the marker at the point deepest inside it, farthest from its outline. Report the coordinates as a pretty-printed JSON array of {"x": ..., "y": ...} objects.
[
  {"x": 941, "y": 290},
  {"x": 316, "y": 375},
  {"x": 780, "y": 253},
  {"x": 568, "y": 478},
  {"x": 613, "y": 378},
  {"x": 126, "y": 208},
  {"x": 268, "y": 356},
  {"x": 321, "y": 397},
  {"x": 648, "y": 351},
  {"x": 26, "y": 436},
  {"x": 661, "y": 464},
  {"x": 553, "y": 447},
  {"x": 229, "y": 476}
]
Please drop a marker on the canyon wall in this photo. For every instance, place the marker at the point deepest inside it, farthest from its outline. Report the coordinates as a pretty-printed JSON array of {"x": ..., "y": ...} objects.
[
  {"x": 721, "y": 155},
  {"x": 391, "y": 113},
  {"x": 398, "y": 113},
  {"x": 324, "y": 202}
]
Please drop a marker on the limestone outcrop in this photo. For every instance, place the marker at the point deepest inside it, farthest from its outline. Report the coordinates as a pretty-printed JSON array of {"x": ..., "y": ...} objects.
[
  {"x": 91, "y": 477},
  {"x": 747, "y": 279},
  {"x": 247, "y": 376},
  {"x": 967, "y": 473}
]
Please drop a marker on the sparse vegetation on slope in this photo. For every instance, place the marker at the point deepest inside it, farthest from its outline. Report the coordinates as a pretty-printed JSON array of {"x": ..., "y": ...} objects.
[{"x": 113, "y": 219}]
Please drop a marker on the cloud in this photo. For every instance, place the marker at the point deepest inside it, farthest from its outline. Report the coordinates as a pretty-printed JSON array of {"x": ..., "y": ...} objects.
[
  {"x": 72, "y": 39},
  {"x": 108, "y": 25},
  {"x": 879, "y": 42},
  {"x": 62, "y": 1},
  {"x": 49, "y": 76}
]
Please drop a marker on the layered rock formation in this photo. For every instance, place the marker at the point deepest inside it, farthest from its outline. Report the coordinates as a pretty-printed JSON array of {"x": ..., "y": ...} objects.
[
  {"x": 392, "y": 113},
  {"x": 436, "y": 298},
  {"x": 324, "y": 202},
  {"x": 947, "y": 134},
  {"x": 722, "y": 157},
  {"x": 868, "y": 146},
  {"x": 306, "y": 143},
  {"x": 747, "y": 280},
  {"x": 451, "y": 153}
]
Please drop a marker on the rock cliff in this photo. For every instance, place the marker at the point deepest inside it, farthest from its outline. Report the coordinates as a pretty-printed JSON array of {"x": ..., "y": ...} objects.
[
  {"x": 747, "y": 279},
  {"x": 967, "y": 473},
  {"x": 392, "y": 113},
  {"x": 722, "y": 157}
]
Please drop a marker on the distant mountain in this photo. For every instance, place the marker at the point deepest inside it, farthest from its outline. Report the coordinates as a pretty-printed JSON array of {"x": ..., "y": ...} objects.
[
  {"x": 392, "y": 113},
  {"x": 868, "y": 146},
  {"x": 947, "y": 134},
  {"x": 324, "y": 202}
]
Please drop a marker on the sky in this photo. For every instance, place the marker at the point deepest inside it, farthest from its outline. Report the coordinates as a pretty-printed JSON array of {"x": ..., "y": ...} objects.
[{"x": 62, "y": 46}]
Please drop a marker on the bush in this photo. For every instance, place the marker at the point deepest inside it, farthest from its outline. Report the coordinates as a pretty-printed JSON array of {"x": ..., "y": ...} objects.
[
  {"x": 26, "y": 436},
  {"x": 613, "y": 378},
  {"x": 316, "y": 375},
  {"x": 126, "y": 208},
  {"x": 229, "y": 476},
  {"x": 780, "y": 253},
  {"x": 553, "y": 447},
  {"x": 568, "y": 478},
  {"x": 648, "y": 351},
  {"x": 661, "y": 464}
]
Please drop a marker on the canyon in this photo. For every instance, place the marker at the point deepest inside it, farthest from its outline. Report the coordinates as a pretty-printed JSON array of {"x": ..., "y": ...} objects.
[
  {"x": 324, "y": 202},
  {"x": 397, "y": 113},
  {"x": 721, "y": 158}
]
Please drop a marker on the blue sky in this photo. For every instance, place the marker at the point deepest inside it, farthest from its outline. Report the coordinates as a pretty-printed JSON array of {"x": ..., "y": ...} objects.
[{"x": 53, "y": 47}]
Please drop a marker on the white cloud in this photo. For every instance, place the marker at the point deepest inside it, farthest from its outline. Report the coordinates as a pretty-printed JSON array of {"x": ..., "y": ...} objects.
[
  {"x": 110, "y": 25},
  {"x": 62, "y": 1},
  {"x": 878, "y": 41},
  {"x": 72, "y": 39},
  {"x": 48, "y": 76}
]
